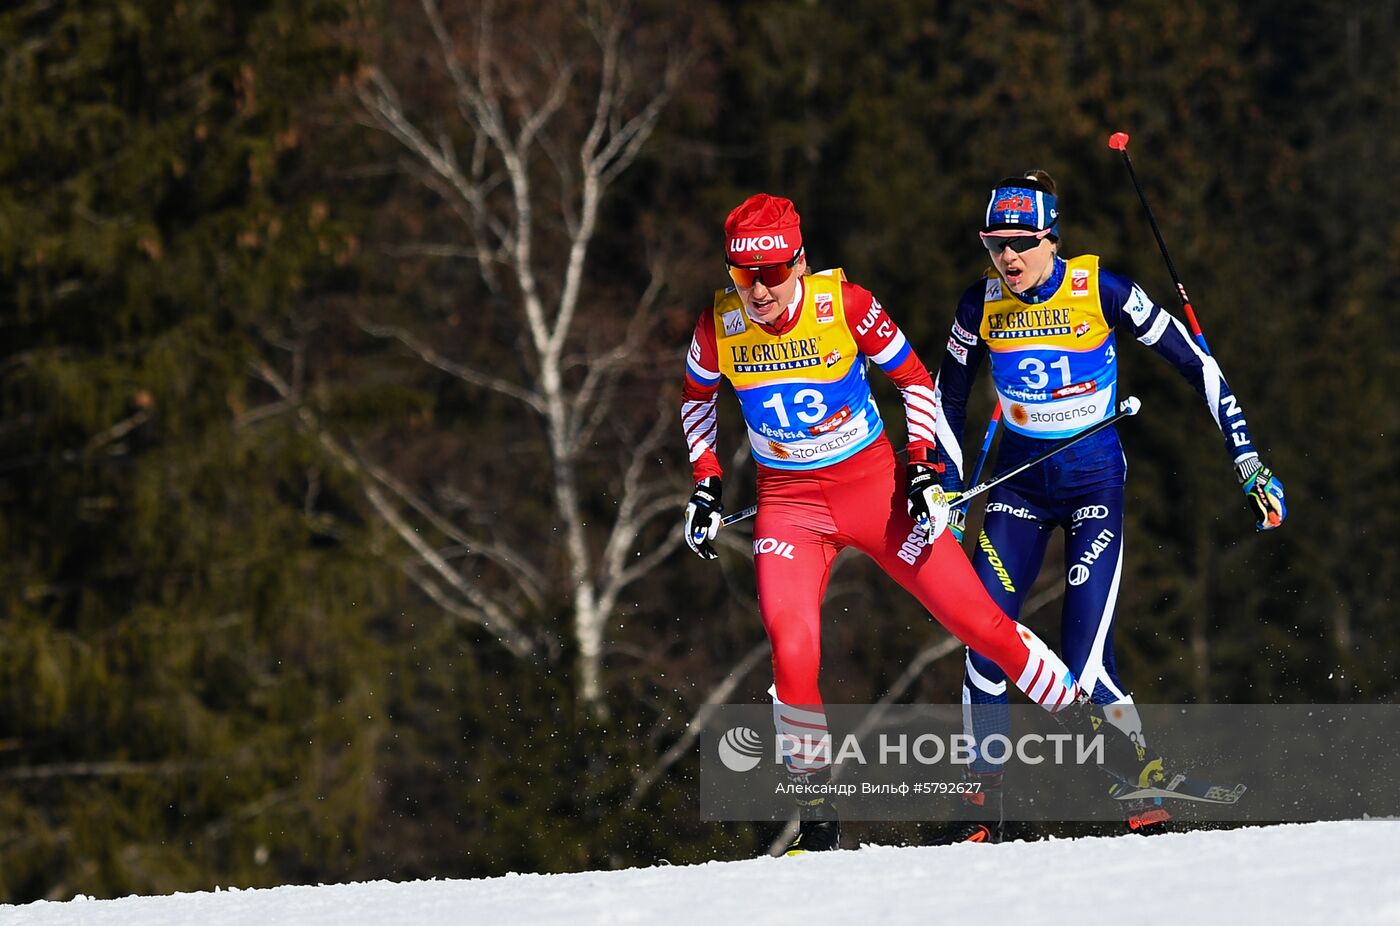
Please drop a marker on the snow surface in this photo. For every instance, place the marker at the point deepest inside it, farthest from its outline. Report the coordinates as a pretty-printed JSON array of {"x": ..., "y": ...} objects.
[{"x": 1317, "y": 873}]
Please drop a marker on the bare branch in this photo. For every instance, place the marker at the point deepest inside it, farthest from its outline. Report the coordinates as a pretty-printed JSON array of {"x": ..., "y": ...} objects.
[
  {"x": 488, "y": 613},
  {"x": 385, "y": 106},
  {"x": 492, "y": 237},
  {"x": 657, "y": 555},
  {"x": 558, "y": 93},
  {"x": 526, "y": 575},
  {"x": 911, "y": 673},
  {"x": 466, "y": 91},
  {"x": 117, "y": 431},
  {"x": 270, "y": 410},
  {"x": 630, "y": 520},
  {"x": 718, "y": 695},
  {"x": 522, "y": 648},
  {"x": 621, "y": 574},
  {"x": 430, "y": 249},
  {"x": 96, "y": 770},
  {"x": 602, "y": 111},
  {"x": 603, "y": 370},
  {"x": 481, "y": 109},
  {"x": 461, "y": 371},
  {"x": 1038, "y": 601},
  {"x": 511, "y": 107},
  {"x": 221, "y": 827}
]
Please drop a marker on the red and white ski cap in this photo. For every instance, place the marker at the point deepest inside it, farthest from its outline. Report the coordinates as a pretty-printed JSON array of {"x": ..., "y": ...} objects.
[{"x": 762, "y": 230}]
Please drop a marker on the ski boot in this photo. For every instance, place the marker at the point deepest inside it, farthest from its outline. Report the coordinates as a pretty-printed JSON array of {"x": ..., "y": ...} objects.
[
  {"x": 815, "y": 836},
  {"x": 819, "y": 826},
  {"x": 1125, "y": 759},
  {"x": 980, "y": 816}
]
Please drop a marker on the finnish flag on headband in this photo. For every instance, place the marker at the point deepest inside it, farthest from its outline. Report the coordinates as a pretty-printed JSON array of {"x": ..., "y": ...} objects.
[{"x": 1021, "y": 207}]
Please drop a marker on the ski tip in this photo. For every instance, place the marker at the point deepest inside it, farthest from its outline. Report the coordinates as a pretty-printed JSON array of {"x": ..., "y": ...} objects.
[
  {"x": 1229, "y": 795},
  {"x": 1118, "y": 141},
  {"x": 1130, "y": 405}
]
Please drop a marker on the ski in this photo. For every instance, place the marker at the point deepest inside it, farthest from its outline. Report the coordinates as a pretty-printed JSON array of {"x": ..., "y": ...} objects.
[{"x": 1183, "y": 788}]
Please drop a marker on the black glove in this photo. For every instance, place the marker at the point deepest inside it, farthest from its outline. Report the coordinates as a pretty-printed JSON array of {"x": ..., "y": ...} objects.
[
  {"x": 928, "y": 503},
  {"x": 702, "y": 517}
]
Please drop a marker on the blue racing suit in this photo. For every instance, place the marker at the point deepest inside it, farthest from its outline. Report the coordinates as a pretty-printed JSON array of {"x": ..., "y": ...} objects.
[{"x": 1055, "y": 366}]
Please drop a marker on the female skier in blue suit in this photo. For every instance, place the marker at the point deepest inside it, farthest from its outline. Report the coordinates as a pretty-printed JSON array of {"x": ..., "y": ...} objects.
[{"x": 1049, "y": 326}]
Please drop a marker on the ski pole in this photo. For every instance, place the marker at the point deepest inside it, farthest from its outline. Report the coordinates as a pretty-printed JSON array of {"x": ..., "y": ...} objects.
[
  {"x": 1126, "y": 408},
  {"x": 1118, "y": 141},
  {"x": 738, "y": 516},
  {"x": 986, "y": 445}
]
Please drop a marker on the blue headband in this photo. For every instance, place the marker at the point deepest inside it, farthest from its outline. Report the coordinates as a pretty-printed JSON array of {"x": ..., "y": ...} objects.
[{"x": 1022, "y": 207}]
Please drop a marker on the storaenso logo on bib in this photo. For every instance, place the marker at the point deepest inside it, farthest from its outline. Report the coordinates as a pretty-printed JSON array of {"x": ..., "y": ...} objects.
[
  {"x": 1064, "y": 414},
  {"x": 1061, "y": 415},
  {"x": 811, "y": 451}
]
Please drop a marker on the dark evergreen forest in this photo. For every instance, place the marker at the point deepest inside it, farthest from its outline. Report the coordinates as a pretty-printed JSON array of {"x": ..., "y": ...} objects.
[{"x": 340, "y": 351}]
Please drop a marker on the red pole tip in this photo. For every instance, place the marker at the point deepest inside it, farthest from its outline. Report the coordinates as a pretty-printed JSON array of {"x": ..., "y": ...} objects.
[{"x": 1118, "y": 141}]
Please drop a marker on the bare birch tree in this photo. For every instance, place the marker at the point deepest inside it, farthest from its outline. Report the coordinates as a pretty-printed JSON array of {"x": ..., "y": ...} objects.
[{"x": 546, "y": 106}]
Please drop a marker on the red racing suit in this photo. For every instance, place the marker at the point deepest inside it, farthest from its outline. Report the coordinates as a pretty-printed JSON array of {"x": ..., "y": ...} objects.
[{"x": 827, "y": 479}]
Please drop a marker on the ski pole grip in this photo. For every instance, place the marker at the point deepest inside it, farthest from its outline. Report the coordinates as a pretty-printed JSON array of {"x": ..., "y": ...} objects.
[{"x": 738, "y": 516}]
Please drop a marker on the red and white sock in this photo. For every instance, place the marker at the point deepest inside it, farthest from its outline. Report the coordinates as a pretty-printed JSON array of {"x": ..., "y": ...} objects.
[
  {"x": 1045, "y": 679},
  {"x": 805, "y": 739}
]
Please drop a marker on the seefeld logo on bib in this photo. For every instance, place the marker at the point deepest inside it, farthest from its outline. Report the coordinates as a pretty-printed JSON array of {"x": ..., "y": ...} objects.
[{"x": 761, "y": 243}]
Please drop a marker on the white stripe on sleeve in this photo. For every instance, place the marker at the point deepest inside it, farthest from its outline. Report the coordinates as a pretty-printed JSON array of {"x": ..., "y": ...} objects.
[
  {"x": 701, "y": 423},
  {"x": 708, "y": 377},
  {"x": 921, "y": 413},
  {"x": 891, "y": 349}
]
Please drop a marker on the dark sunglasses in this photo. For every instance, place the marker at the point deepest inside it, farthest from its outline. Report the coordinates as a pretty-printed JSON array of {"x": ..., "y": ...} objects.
[
  {"x": 1018, "y": 243},
  {"x": 769, "y": 275}
]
